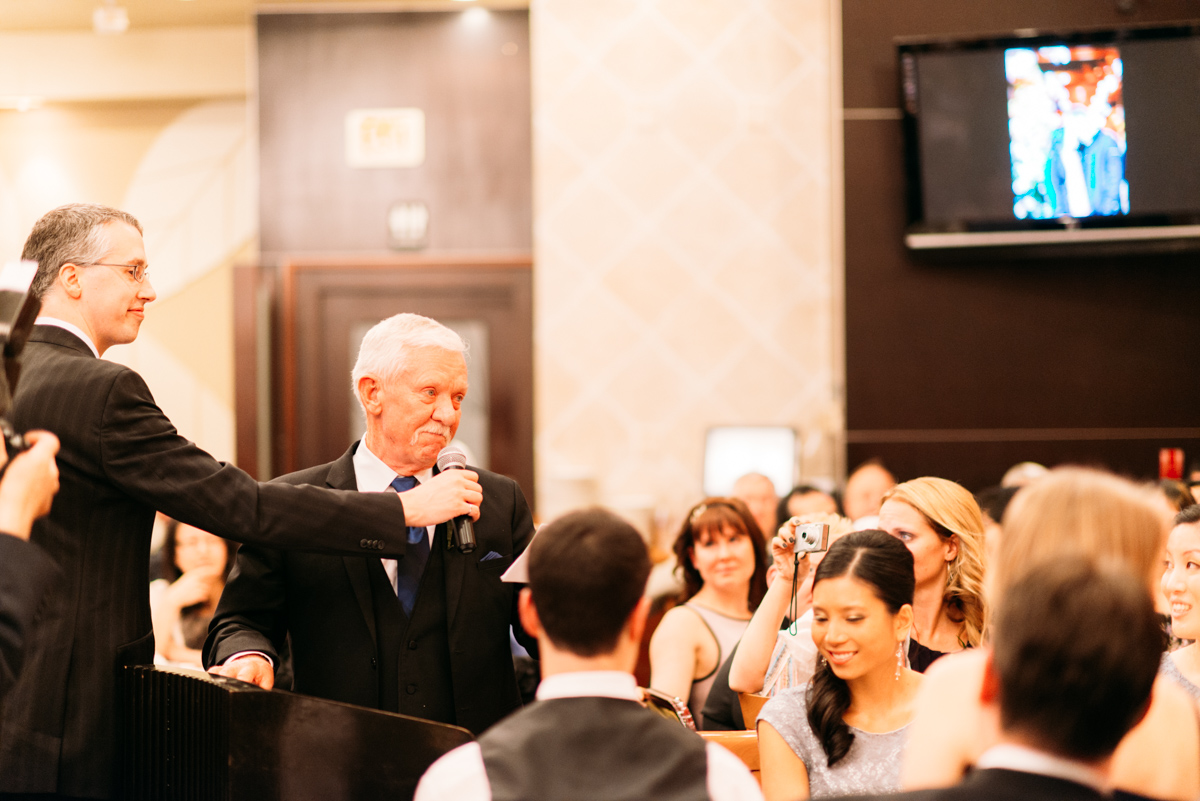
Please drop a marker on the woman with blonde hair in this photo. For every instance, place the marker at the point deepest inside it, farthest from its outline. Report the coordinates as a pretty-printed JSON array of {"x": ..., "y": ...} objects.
[
  {"x": 942, "y": 526},
  {"x": 1070, "y": 512}
]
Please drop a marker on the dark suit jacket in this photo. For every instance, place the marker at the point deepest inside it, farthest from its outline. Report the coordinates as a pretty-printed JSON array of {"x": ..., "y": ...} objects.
[
  {"x": 121, "y": 459},
  {"x": 997, "y": 784},
  {"x": 25, "y": 573},
  {"x": 329, "y": 608}
]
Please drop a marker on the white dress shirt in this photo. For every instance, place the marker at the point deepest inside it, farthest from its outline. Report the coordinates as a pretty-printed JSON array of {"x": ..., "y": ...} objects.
[
  {"x": 74, "y": 329},
  {"x": 460, "y": 775},
  {"x": 373, "y": 475},
  {"x": 1009, "y": 756}
]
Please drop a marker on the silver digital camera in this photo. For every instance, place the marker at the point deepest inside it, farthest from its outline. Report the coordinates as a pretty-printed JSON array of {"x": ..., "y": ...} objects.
[{"x": 810, "y": 537}]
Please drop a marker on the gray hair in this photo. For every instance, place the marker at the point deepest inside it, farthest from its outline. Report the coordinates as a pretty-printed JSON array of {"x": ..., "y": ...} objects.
[
  {"x": 71, "y": 234},
  {"x": 385, "y": 348}
]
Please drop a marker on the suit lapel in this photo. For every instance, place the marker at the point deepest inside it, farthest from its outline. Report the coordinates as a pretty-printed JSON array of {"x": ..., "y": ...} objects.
[{"x": 341, "y": 476}]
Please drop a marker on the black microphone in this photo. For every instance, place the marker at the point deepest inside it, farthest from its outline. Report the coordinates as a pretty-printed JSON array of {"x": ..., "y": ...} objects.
[{"x": 453, "y": 458}]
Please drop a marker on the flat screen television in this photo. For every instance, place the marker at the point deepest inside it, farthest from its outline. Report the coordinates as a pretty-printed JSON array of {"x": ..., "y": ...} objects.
[{"x": 1048, "y": 138}]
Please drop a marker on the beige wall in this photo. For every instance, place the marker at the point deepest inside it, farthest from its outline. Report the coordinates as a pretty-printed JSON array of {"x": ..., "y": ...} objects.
[
  {"x": 145, "y": 130},
  {"x": 687, "y": 271},
  {"x": 684, "y": 246}
]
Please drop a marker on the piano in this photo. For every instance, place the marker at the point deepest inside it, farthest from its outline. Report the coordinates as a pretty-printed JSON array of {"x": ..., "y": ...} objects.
[{"x": 187, "y": 735}]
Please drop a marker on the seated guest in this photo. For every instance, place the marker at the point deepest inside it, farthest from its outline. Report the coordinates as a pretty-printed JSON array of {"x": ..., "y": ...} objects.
[
  {"x": 843, "y": 733},
  {"x": 1070, "y": 512},
  {"x": 758, "y": 493},
  {"x": 721, "y": 554},
  {"x": 805, "y": 499},
  {"x": 1022, "y": 474},
  {"x": 864, "y": 492},
  {"x": 26, "y": 572},
  {"x": 941, "y": 524},
  {"x": 1070, "y": 672},
  {"x": 1178, "y": 495},
  {"x": 587, "y": 736},
  {"x": 992, "y": 503},
  {"x": 770, "y": 659},
  {"x": 1181, "y": 586},
  {"x": 195, "y": 565}
]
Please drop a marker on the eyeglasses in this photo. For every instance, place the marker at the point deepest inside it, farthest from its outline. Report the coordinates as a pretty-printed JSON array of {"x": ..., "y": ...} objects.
[{"x": 137, "y": 272}]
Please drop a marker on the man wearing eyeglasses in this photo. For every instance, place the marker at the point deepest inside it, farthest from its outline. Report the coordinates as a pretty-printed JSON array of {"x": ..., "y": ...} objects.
[{"x": 120, "y": 461}]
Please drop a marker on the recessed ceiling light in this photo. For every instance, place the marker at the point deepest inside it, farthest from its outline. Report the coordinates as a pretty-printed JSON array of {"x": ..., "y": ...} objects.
[{"x": 110, "y": 19}]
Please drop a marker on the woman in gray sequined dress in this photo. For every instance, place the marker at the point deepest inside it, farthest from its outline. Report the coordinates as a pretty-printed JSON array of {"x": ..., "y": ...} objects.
[
  {"x": 844, "y": 732},
  {"x": 1181, "y": 587}
]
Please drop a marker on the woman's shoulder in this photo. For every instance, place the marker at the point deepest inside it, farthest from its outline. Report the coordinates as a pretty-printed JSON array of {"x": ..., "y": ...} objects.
[
  {"x": 1166, "y": 736},
  {"x": 1170, "y": 668},
  {"x": 788, "y": 707},
  {"x": 680, "y": 624},
  {"x": 787, "y": 713}
]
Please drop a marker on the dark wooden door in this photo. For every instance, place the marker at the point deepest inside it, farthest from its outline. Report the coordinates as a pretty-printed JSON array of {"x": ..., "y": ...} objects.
[{"x": 322, "y": 310}]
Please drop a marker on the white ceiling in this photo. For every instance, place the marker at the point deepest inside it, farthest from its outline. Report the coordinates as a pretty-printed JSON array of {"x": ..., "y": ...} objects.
[{"x": 66, "y": 15}]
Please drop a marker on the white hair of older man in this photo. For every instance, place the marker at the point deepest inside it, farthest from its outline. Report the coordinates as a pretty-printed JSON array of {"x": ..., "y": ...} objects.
[{"x": 386, "y": 347}]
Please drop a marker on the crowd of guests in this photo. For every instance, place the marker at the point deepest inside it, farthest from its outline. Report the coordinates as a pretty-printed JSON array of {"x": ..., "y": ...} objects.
[{"x": 875, "y": 653}]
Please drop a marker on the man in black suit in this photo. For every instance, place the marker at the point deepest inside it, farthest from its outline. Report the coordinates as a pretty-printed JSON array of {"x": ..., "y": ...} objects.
[
  {"x": 431, "y": 641},
  {"x": 121, "y": 459},
  {"x": 1074, "y": 656}
]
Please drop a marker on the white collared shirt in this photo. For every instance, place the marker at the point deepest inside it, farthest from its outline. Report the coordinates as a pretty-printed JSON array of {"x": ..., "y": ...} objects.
[
  {"x": 74, "y": 329},
  {"x": 1010, "y": 756},
  {"x": 460, "y": 774},
  {"x": 372, "y": 475}
]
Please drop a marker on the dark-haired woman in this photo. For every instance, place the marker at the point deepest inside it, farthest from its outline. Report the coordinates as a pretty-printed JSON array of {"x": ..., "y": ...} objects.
[
  {"x": 182, "y": 602},
  {"x": 844, "y": 732},
  {"x": 721, "y": 554}
]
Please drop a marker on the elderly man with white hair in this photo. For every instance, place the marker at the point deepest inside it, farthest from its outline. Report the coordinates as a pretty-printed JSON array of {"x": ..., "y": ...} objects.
[{"x": 426, "y": 635}]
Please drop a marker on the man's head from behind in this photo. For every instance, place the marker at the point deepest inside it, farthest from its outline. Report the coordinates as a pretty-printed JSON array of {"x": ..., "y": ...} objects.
[
  {"x": 1074, "y": 656},
  {"x": 758, "y": 492},
  {"x": 91, "y": 270},
  {"x": 587, "y": 576},
  {"x": 411, "y": 379}
]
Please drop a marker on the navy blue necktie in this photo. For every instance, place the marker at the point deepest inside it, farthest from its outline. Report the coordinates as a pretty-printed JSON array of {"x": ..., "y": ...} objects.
[{"x": 410, "y": 568}]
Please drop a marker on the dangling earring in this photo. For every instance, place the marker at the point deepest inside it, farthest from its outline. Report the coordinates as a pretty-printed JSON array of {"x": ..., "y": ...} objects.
[{"x": 899, "y": 660}]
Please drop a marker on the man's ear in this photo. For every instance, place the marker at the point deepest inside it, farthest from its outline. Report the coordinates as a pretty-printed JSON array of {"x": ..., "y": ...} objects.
[
  {"x": 68, "y": 279},
  {"x": 638, "y": 618},
  {"x": 989, "y": 693},
  {"x": 528, "y": 613},
  {"x": 369, "y": 389}
]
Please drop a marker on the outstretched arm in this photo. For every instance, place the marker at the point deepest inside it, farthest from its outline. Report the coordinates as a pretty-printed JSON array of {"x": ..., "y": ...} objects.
[{"x": 749, "y": 666}]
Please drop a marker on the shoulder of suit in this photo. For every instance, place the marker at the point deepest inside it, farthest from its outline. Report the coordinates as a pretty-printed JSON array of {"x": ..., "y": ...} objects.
[
  {"x": 309, "y": 475},
  {"x": 487, "y": 476}
]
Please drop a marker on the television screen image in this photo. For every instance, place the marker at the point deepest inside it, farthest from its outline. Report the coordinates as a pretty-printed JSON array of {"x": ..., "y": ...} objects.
[{"x": 1066, "y": 126}]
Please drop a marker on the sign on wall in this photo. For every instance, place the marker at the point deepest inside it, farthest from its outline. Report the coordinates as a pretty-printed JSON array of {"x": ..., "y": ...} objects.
[{"x": 385, "y": 137}]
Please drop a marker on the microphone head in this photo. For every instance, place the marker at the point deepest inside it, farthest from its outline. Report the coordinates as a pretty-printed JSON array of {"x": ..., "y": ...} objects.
[{"x": 452, "y": 458}]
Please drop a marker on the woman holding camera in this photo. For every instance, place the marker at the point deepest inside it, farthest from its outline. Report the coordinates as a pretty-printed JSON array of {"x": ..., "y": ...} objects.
[
  {"x": 720, "y": 551},
  {"x": 843, "y": 733},
  {"x": 768, "y": 658}
]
